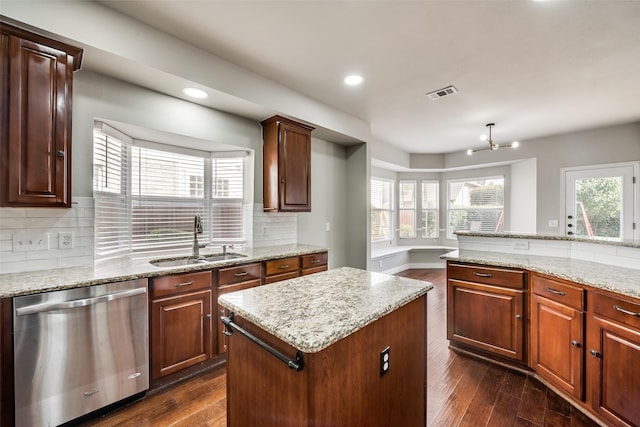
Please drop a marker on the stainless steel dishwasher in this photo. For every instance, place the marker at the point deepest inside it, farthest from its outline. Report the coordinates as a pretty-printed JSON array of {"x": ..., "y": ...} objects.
[{"x": 78, "y": 350}]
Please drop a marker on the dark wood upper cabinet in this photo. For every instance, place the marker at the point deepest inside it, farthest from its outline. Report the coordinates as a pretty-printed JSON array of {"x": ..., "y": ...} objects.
[
  {"x": 36, "y": 76},
  {"x": 286, "y": 165}
]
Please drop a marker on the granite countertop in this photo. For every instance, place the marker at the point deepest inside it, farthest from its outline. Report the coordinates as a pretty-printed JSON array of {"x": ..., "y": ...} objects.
[
  {"x": 312, "y": 312},
  {"x": 539, "y": 236},
  {"x": 133, "y": 267},
  {"x": 625, "y": 281}
]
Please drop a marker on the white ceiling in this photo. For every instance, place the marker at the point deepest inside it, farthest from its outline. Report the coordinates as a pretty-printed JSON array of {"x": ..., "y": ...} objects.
[{"x": 535, "y": 68}]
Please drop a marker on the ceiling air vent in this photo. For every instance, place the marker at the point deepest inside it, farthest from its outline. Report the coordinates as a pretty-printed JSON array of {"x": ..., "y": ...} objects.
[{"x": 441, "y": 93}]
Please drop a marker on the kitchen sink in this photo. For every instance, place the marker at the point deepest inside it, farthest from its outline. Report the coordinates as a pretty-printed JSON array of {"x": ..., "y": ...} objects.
[{"x": 204, "y": 259}]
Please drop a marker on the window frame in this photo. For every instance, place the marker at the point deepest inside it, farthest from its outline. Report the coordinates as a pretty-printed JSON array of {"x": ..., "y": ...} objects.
[
  {"x": 450, "y": 234},
  {"x": 390, "y": 210},
  {"x": 413, "y": 210},
  {"x": 436, "y": 210}
]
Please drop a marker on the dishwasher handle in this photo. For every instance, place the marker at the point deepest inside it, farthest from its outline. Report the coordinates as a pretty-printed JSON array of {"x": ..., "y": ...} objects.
[{"x": 50, "y": 306}]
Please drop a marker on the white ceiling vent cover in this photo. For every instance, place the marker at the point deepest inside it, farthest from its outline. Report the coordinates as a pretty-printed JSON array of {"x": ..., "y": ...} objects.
[{"x": 441, "y": 93}]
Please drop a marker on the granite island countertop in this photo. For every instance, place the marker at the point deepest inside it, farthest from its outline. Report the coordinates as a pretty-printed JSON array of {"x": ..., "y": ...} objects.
[
  {"x": 625, "y": 281},
  {"x": 131, "y": 267},
  {"x": 312, "y": 312}
]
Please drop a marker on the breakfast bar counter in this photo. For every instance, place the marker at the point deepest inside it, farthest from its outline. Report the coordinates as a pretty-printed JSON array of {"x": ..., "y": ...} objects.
[{"x": 353, "y": 343}]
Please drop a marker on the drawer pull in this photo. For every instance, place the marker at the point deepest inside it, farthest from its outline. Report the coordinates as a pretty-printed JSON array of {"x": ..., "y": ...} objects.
[
  {"x": 622, "y": 310},
  {"x": 282, "y": 267},
  {"x": 315, "y": 261},
  {"x": 482, "y": 274},
  {"x": 553, "y": 291},
  {"x": 179, "y": 285},
  {"x": 244, "y": 273}
]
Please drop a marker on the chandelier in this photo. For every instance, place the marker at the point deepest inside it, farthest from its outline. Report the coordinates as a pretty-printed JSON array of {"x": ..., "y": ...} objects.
[{"x": 492, "y": 145}]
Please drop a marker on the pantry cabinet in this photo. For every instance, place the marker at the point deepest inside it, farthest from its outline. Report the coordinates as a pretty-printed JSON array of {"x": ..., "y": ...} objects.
[
  {"x": 286, "y": 165},
  {"x": 557, "y": 333},
  {"x": 181, "y": 322},
  {"x": 36, "y": 77},
  {"x": 486, "y": 310}
]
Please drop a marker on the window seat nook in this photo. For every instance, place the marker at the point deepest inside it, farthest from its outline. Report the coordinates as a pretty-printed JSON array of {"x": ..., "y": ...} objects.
[{"x": 394, "y": 259}]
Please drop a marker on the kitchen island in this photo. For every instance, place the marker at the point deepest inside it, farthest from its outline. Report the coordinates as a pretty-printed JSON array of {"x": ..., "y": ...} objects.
[{"x": 353, "y": 345}]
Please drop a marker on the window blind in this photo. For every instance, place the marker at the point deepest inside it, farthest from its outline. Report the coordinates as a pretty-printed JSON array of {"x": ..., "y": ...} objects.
[
  {"x": 226, "y": 198},
  {"x": 407, "y": 209}
]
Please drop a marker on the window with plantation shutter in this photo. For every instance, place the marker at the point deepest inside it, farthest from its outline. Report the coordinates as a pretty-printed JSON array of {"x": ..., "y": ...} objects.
[
  {"x": 381, "y": 210},
  {"x": 407, "y": 209},
  {"x": 161, "y": 189},
  {"x": 430, "y": 204},
  {"x": 476, "y": 205}
]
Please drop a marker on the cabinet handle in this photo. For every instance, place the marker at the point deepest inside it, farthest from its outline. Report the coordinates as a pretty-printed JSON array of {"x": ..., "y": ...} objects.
[
  {"x": 209, "y": 316},
  {"x": 622, "y": 310},
  {"x": 60, "y": 153},
  {"x": 282, "y": 267},
  {"x": 244, "y": 273},
  {"x": 553, "y": 291},
  {"x": 575, "y": 343},
  {"x": 282, "y": 181},
  {"x": 518, "y": 316},
  {"x": 315, "y": 261},
  {"x": 179, "y": 285},
  {"x": 594, "y": 353},
  {"x": 481, "y": 274}
]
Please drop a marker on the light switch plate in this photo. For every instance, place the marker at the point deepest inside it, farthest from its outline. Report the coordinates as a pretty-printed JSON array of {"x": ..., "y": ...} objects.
[{"x": 28, "y": 242}]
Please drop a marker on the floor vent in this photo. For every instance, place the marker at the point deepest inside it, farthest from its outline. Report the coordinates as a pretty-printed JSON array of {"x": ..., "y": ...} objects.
[{"x": 441, "y": 93}]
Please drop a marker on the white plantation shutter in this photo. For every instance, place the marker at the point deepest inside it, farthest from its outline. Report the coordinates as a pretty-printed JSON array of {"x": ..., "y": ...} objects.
[
  {"x": 476, "y": 205},
  {"x": 161, "y": 189}
]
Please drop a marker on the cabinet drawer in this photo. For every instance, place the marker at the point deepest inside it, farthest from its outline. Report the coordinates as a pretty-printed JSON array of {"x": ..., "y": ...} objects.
[
  {"x": 280, "y": 277},
  {"x": 168, "y": 285},
  {"x": 241, "y": 273},
  {"x": 314, "y": 260},
  {"x": 238, "y": 286},
  {"x": 558, "y": 291},
  {"x": 487, "y": 275},
  {"x": 620, "y": 310},
  {"x": 281, "y": 266},
  {"x": 313, "y": 270}
]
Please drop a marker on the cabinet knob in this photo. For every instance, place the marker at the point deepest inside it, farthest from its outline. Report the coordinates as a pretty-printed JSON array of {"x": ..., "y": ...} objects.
[
  {"x": 282, "y": 181},
  {"x": 595, "y": 353},
  {"x": 209, "y": 316},
  {"x": 60, "y": 153},
  {"x": 518, "y": 316},
  {"x": 575, "y": 343}
]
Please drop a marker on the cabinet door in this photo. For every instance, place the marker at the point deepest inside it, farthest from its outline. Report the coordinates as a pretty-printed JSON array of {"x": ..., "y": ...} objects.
[
  {"x": 36, "y": 141},
  {"x": 486, "y": 317},
  {"x": 557, "y": 344},
  {"x": 222, "y": 337},
  {"x": 295, "y": 168},
  {"x": 180, "y": 332},
  {"x": 613, "y": 366}
]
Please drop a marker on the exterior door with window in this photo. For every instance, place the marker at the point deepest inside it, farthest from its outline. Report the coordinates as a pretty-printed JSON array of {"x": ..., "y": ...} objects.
[{"x": 599, "y": 202}]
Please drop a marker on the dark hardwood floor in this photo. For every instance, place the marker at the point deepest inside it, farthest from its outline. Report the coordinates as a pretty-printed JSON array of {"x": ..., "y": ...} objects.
[{"x": 462, "y": 391}]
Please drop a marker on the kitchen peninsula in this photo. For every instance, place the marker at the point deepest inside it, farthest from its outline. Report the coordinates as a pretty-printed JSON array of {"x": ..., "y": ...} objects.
[
  {"x": 353, "y": 343},
  {"x": 565, "y": 309}
]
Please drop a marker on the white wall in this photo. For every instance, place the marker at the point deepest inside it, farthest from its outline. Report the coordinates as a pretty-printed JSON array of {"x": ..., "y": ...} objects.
[
  {"x": 523, "y": 196},
  {"x": 328, "y": 202}
]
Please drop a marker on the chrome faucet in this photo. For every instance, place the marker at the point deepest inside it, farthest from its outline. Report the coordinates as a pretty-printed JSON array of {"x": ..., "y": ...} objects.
[
  {"x": 224, "y": 248},
  {"x": 197, "y": 229}
]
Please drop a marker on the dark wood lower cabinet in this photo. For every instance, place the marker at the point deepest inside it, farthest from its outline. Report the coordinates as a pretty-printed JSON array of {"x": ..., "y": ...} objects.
[
  {"x": 557, "y": 344},
  {"x": 222, "y": 337},
  {"x": 489, "y": 318},
  {"x": 613, "y": 360},
  {"x": 180, "y": 332}
]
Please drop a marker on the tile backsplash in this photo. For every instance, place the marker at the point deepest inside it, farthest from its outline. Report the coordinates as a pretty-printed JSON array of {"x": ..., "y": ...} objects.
[{"x": 42, "y": 238}]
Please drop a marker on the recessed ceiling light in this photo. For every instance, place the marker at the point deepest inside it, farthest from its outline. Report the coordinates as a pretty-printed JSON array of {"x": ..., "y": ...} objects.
[
  {"x": 353, "y": 80},
  {"x": 194, "y": 93}
]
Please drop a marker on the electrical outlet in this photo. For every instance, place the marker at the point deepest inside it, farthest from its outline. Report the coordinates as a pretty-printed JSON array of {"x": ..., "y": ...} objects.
[
  {"x": 65, "y": 240},
  {"x": 27, "y": 242},
  {"x": 384, "y": 361},
  {"x": 327, "y": 226}
]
